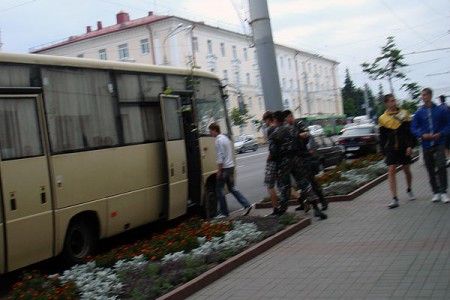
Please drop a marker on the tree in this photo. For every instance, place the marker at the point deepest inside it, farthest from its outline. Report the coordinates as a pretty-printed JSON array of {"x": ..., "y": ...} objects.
[
  {"x": 353, "y": 98},
  {"x": 388, "y": 65},
  {"x": 237, "y": 118},
  {"x": 414, "y": 90}
]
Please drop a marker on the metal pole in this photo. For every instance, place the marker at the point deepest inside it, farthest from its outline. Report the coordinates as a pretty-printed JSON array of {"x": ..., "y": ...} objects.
[{"x": 262, "y": 36}]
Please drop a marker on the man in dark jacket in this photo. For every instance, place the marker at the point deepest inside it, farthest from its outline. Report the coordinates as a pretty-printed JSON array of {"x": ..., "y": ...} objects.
[
  {"x": 431, "y": 123},
  {"x": 396, "y": 142}
]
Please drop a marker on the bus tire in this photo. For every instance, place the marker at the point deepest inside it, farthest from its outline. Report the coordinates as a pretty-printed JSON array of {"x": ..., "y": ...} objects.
[
  {"x": 80, "y": 241},
  {"x": 210, "y": 204}
]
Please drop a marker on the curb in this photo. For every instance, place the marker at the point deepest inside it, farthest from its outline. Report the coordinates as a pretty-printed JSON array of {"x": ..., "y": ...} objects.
[
  {"x": 348, "y": 197},
  {"x": 198, "y": 283}
]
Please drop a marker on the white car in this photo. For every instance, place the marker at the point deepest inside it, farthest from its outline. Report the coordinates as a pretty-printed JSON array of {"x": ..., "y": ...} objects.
[
  {"x": 316, "y": 130},
  {"x": 243, "y": 143}
]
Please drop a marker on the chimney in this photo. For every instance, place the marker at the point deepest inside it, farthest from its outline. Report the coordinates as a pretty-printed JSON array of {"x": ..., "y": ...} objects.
[
  {"x": 122, "y": 17},
  {"x": 88, "y": 29},
  {"x": 150, "y": 13},
  {"x": 99, "y": 25}
]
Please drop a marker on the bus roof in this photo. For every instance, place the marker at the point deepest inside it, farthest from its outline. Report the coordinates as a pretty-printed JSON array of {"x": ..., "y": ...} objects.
[{"x": 51, "y": 60}]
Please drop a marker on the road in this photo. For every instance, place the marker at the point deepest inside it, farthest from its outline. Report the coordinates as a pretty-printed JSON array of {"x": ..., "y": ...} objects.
[{"x": 249, "y": 177}]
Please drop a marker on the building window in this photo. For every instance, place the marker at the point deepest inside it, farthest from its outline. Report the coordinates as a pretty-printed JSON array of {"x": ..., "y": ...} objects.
[
  {"x": 123, "y": 51},
  {"x": 245, "y": 54},
  {"x": 225, "y": 76},
  {"x": 209, "y": 47},
  {"x": 237, "y": 78},
  {"x": 195, "y": 44},
  {"x": 80, "y": 55},
  {"x": 260, "y": 103},
  {"x": 102, "y": 54},
  {"x": 281, "y": 62},
  {"x": 250, "y": 102},
  {"x": 247, "y": 76},
  {"x": 234, "y": 52},
  {"x": 145, "y": 48},
  {"x": 222, "y": 49}
]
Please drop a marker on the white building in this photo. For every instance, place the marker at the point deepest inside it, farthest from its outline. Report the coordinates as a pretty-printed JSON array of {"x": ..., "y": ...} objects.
[{"x": 308, "y": 82}]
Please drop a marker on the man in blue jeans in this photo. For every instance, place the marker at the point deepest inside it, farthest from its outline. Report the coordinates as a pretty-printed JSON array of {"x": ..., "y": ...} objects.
[
  {"x": 225, "y": 172},
  {"x": 431, "y": 123}
]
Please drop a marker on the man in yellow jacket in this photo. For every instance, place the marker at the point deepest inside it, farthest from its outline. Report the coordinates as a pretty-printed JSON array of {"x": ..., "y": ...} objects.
[{"x": 396, "y": 141}]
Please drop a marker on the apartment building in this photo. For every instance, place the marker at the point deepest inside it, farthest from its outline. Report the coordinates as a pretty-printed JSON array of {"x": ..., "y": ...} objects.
[{"x": 309, "y": 82}]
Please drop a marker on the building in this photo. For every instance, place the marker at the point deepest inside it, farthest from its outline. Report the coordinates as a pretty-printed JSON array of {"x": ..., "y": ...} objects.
[{"x": 309, "y": 82}]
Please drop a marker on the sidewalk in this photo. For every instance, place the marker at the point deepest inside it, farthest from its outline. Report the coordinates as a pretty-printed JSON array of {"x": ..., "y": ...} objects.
[{"x": 363, "y": 251}]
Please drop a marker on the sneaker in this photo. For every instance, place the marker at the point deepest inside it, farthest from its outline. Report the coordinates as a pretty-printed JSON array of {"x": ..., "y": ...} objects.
[
  {"x": 444, "y": 198},
  {"x": 247, "y": 210},
  {"x": 220, "y": 216},
  {"x": 394, "y": 204},
  {"x": 436, "y": 198},
  {"x": 411, "y": 196},
  {"x": 301, "y": 207}
]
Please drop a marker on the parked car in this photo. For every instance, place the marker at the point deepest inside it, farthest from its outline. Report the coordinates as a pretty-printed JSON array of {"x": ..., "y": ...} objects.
[
  {"x": 315, "y": 130},
  {"x": 325, "y": 152},
  {"x": 243, "y": 143},
  {"x": 360, "y": 139}
]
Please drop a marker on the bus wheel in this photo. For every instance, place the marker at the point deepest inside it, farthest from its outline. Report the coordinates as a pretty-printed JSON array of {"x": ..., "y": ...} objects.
[
  {"x": 210, "y": 207},
  {"x": 80, "y": 242}
]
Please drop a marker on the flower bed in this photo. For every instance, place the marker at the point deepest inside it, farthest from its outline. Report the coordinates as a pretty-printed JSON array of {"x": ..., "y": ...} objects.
[{"x": 152, "y": 267}]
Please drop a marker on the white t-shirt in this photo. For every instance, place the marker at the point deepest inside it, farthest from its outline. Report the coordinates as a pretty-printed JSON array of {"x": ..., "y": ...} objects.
[{"x": 224, "y": 150}]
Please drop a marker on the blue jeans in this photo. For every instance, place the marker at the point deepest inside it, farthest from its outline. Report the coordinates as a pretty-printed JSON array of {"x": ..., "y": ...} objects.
[{"x": 228, "y": 179}]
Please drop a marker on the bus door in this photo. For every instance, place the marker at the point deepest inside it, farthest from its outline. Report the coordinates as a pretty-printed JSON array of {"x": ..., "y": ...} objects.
[
  {"x": 176, "y": 156},
  {"x": 26, "y": 223}
]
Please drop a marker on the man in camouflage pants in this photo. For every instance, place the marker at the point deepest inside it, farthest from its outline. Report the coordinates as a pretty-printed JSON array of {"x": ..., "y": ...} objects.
[{"x": 282, "y": 149}]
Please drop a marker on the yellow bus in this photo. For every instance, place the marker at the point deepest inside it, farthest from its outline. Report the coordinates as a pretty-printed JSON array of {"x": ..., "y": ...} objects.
[{"x": 90, "y": 149}]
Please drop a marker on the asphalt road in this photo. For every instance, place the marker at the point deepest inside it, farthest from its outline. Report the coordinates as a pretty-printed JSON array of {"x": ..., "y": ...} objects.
[{"x": 249, "y": 177}]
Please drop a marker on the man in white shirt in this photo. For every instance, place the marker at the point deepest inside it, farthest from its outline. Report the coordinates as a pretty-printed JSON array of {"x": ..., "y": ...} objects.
[{"x": 225, "y": 172}]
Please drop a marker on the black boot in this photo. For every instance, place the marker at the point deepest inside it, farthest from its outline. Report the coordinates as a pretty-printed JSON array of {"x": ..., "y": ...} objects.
[{"x": 319, "y": 214}]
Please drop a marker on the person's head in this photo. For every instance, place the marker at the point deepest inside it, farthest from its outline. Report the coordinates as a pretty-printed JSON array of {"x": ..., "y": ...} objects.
[
  {"x": 426, "y": 94},
  {"x": 389, "y": 101},
  {"x": 214, "y": 129},
  {"x": 278, "y": 117},
  {"x": 268, "y": 117},
  {"x": 288, "y": 116},
  {"x": 442, "y": 98}
]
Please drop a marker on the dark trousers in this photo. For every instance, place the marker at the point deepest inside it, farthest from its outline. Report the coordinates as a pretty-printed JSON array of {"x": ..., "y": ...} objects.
[{"x": 435, "y": 163}]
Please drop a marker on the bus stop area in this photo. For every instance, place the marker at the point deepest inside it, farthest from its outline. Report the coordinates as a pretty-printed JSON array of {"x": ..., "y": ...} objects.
[{"x": 362, "y": 251}]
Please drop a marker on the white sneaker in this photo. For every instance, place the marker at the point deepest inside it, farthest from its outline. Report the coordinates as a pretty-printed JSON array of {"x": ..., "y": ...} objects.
[
  {"x": 444, "y": 198},
  {"x": 436, "y": 198},
  {"x": 220, "y": 216},
  {"x": 411, "y": 196}
]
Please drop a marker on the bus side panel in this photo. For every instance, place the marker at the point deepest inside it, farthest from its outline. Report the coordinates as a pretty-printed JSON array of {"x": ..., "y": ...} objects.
[
  {"x": 92, "y": 175},
  {"x": 135, "y": 209},
  {"x": 28, "y": 211},
  {"x": 208, "y": 155},
  {"x": 178, "y": 179},
  {"x": 2, "y": 246}
]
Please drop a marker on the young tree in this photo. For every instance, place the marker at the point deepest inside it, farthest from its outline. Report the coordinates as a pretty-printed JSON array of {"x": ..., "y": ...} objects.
[
  {"x": 238, "y": 119},
  {"x": 388, "y": 65},
  {"x": 414, "y": 90},
  {"x": 353, "y": 98}
]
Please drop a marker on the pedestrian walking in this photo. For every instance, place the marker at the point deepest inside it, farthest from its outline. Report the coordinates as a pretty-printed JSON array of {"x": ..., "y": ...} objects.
[
  {"x": 397, "y": 142},
  {"x": 225, "y": 172},
  {"x": 270, "y": 175},
  {"x": 431, "y": 123}
]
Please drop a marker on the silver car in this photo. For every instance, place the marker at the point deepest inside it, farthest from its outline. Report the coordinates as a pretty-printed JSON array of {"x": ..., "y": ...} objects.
[{"x": 243, "y": 143}]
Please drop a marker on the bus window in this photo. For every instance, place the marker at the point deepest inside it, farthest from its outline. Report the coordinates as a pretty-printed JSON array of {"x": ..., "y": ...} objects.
[
  {"x": 15, "y": 76},
  {"x": 140, "y": 110},
  {"x": 210, "y": 106},
  {"x": 19, "y": 128},
  {"x": 80, "y": 109}
]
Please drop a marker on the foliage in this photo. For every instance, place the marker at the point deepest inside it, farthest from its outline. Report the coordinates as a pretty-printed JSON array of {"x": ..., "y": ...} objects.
[
  {"x": 353, "y": 98},
  {"x": 237, "y": 118},
  {"x": 181, "y": 238},
  {"x": 413, "y": 89},
  {"x": 411, "y": 107},
  {"x": 138, "y": 277},
  {"x": 36, "y": 286},
  {"x": 388, "y": 65}
]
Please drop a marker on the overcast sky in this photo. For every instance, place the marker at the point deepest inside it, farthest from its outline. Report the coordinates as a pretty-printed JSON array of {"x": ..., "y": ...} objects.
[{"x": 348, "y": 31}]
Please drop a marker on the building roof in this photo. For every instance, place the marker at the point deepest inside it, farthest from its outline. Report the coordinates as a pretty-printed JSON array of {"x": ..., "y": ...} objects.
[{"x": 123, "y": 23}]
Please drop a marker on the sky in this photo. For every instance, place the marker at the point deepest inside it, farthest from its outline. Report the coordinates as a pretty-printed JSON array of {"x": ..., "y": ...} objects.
[{"x": 348, "y": 31}]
